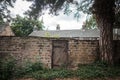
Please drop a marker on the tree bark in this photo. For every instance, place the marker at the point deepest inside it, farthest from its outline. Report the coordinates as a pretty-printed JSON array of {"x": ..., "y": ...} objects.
[
  {"x": 105, "y": 18},
  {"x": 106, "y": 40}
]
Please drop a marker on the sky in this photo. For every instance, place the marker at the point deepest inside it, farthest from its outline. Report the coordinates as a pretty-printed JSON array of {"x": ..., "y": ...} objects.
[{"x": 50, "y": 22}]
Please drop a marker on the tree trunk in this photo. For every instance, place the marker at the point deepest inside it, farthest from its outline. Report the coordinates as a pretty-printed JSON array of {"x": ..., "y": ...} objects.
[
  {"x": 106, "y": 39},
  {"x": 105, "y": 18}
]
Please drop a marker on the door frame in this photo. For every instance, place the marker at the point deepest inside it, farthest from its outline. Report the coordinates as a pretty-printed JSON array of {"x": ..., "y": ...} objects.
[{"x": 52, "y": 65}]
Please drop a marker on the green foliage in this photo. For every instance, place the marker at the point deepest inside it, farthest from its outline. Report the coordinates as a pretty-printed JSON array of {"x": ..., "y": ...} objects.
[
  {"x": 7, "y": 68},
  {"x": 47, "y": 34},
  {"x": 52, "y": 73},
  {"x": 90, "y": 23},
  {"x": 117, "y": 13},
  {"x": 1, "y": 21},
  {"x": 21, "y": 26},
  {"x": 28, "y": 68},
  {"x": 8, "y": 71},
  {"x": 36, "y": 9},
  {"x": 4, "y": 11},
  {"x": 97, "y": 69},
  {"x": 24, "y": 26}
]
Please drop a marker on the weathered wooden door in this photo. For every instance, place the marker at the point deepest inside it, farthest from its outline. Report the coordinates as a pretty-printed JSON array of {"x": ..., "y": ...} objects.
[{"x": 60, "y": 54}]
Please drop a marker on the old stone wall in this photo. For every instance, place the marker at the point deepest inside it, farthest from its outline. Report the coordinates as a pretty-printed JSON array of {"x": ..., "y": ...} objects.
[
  {"x": 40, "y": 49},
  {"x": 29, "y": 48},
  {"x": 82, "y": 51}
]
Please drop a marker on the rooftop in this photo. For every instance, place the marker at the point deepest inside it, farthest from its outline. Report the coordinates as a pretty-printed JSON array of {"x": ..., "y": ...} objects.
[{"x": 66, "y": 33}]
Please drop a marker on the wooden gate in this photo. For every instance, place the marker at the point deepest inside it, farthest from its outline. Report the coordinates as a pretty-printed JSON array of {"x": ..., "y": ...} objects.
[{"x": 60, "y": 54}]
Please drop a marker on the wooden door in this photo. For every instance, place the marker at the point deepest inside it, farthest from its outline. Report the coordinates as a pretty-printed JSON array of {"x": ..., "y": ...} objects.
[{"x": 60, "y": 54}]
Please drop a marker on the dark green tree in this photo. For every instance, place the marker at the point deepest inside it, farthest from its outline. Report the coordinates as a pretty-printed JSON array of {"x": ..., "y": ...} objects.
[{"x": 24, "y": 26}]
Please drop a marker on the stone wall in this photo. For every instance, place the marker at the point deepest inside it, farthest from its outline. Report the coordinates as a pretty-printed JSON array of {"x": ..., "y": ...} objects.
[
  {"x": 29, "y": 48},
  {"x": 40, "y": 49},
  {"x": 82, "y": 51}
]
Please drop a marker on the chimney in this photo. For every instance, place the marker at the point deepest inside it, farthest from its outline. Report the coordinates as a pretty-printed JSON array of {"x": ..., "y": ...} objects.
[{"x": 58, "y": 27}]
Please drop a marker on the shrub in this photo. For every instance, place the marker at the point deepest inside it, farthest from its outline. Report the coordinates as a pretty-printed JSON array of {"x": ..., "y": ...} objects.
[
  {"x": 7, "y": 68},
  {"x": 8, "y": 71},
  {"x": 28, "y": 69},
  {"x": 52, "y": 73},
  {"x": 97, "y": 69}
]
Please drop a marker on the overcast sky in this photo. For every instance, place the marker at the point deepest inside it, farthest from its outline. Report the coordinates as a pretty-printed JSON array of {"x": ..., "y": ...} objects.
[{"x": 50, "y": 22}]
